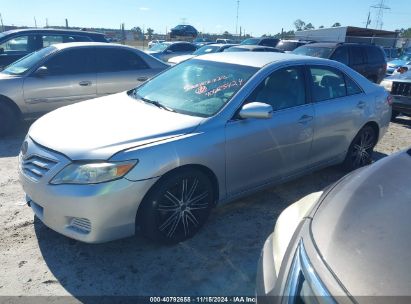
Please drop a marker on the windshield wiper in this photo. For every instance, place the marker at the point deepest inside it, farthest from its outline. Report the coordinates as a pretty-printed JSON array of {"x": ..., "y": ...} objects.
[{"x": 157, "y": 104}]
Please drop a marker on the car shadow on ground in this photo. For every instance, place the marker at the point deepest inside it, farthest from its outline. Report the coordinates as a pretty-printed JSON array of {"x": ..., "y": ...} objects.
[
  {"x": 404, "y": 121},
  {"x": 10, "y": 144},
  {"x": 220, "y": 260}
]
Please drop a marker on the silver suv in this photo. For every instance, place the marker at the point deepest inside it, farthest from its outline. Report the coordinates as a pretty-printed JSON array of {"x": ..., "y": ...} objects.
[{"x": 63, "y": 74}]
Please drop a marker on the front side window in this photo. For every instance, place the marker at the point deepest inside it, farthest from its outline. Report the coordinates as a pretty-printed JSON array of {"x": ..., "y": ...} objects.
[
  {"x": 70, "y": 62},
  {"x": 285, "y": 88},
  {"x": 117, "y": 60},
  {"x": 327, "y": 83},
  {"x": 195, "y": 87},
  {"x": 20, "y": 43},
  {"x": 28, "y": 62}
]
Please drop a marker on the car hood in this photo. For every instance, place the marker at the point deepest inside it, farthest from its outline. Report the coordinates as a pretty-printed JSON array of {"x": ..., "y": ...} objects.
[
  {"x": 4, "y": 76},
  {"x": 396, "y": 63},
  {"x": 99, "y": 128},
  {"x": 362, "y": 229},
  {"x": 179, "y": 59}
]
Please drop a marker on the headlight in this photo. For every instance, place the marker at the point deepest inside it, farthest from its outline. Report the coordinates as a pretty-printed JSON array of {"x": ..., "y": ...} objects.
[
  {"x": 303, "y": 284},
  {"x": 386, "y": 84},
  {"x": 93, "y": 173}
]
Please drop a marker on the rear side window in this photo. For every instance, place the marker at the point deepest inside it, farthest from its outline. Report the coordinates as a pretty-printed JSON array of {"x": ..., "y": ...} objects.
[
  {"x": 375, "y": 55},
  {"x": 70, "y": 62},
  {"x": 117, "y": 60},
  {"x": 352, "y": 87},
  {"x": 327, "y": 83},
  {"x": 357, "y": 55}
]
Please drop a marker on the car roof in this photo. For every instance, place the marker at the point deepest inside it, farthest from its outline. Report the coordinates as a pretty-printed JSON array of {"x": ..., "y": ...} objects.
[
  {"x": 48, "y": 30},
  {"x": 62, "y": 46},
  {"x": 256, "y": 59},
  {"x": 253, "y": 46}
]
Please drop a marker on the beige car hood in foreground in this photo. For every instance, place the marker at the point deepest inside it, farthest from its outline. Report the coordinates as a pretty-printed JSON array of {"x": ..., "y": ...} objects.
[{"x": 99, "y": 128}]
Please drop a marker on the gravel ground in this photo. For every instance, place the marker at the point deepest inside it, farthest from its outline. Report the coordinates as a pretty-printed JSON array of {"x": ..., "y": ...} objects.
[{"x": 220, "y": 260}]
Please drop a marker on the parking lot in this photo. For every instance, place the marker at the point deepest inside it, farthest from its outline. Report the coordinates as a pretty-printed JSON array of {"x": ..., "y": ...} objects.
[{"x": 220, "y": 260}]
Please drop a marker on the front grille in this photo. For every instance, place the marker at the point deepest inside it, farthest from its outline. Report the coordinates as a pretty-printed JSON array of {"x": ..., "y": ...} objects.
[
  {"x": 401, "y": 88},
  {"x": 35, "y": 166},
  {"x": 81, "y": 225}
]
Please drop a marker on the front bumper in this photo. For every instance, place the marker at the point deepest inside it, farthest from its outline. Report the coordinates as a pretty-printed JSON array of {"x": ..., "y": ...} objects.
[
  {"x": 266, "y": 273},
  {"x": 88, "y": 213}
]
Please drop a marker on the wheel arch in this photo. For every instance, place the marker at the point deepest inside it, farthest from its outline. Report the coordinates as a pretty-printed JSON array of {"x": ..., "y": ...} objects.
[
  {"x": 12, "y": 105},
  {"x": 204, "y": 169},
  {"x": 375, "y": 127}
]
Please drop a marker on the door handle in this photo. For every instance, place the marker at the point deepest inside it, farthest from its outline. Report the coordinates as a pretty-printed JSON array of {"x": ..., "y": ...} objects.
[
  {"x": 361, "y": 105},
  {"x": 84, "y": 83},
  {"x": 142, "y": 79},
  {"x": 305, "y": 118}
]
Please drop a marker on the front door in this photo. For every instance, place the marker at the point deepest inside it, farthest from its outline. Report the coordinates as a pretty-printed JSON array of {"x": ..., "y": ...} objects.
[
  {"x": 263, "y": 150},
  {"x": 71, "y": 77}
]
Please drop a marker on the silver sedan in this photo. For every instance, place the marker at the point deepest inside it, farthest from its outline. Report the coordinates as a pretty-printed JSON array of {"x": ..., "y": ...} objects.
[
  {"x": 202, "y": 133},
  {"x": 63, "y": 74}
]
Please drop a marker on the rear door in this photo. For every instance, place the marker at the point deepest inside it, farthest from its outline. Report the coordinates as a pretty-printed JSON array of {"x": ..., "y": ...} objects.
[
  {"x": 71, "y": 78},
  {"x": 119, "y": 69},
  {"x": 339, "y": 105}
]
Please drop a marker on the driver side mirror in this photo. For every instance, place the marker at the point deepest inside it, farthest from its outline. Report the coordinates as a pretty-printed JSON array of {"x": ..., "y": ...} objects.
[
  {"x": 1, "y": 50},
  {"x": 41, "y": 71},
  {"x": 256, "y": 110}
]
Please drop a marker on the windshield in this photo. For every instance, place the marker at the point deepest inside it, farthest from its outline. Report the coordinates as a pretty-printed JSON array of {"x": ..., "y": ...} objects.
[
  {"x": 287, "y": 45},
  {"x": 321, "y": 52},
  {"x": 406, "y": 57},
  {"x": 206, "y": 50},
  {"x": 159, "y": 47},
  {"x": 26, "y": 63},
  {"x": 250, "y": 41},
  {"x": 195, "y": 87}
]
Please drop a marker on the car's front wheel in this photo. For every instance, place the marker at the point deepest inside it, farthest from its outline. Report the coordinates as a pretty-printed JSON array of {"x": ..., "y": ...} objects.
[
  {"x": 361, "y": 149},
  {"x": 177, "y": 207}
]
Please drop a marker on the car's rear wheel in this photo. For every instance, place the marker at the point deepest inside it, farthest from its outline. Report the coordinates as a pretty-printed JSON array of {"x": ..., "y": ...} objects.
[
  {"x": 361, "y": 149},
  {"x": 177, "y": 207},
  {"x": 8, "y": 118}
]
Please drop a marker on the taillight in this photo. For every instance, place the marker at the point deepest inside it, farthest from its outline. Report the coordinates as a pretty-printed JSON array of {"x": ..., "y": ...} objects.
[{"x": 390, "y": 100}]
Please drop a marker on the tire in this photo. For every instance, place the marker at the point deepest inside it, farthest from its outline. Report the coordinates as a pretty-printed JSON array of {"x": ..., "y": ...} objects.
[
  {"x": 8, "y": 119},
  {"x": 361, "y": 149},
  {"x": 394, "y": 115},
  {"x": 177, "y": 206}
]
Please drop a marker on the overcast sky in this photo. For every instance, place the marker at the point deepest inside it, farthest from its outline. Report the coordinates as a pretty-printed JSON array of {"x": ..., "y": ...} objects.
[{"x": 257, "y": 17}]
